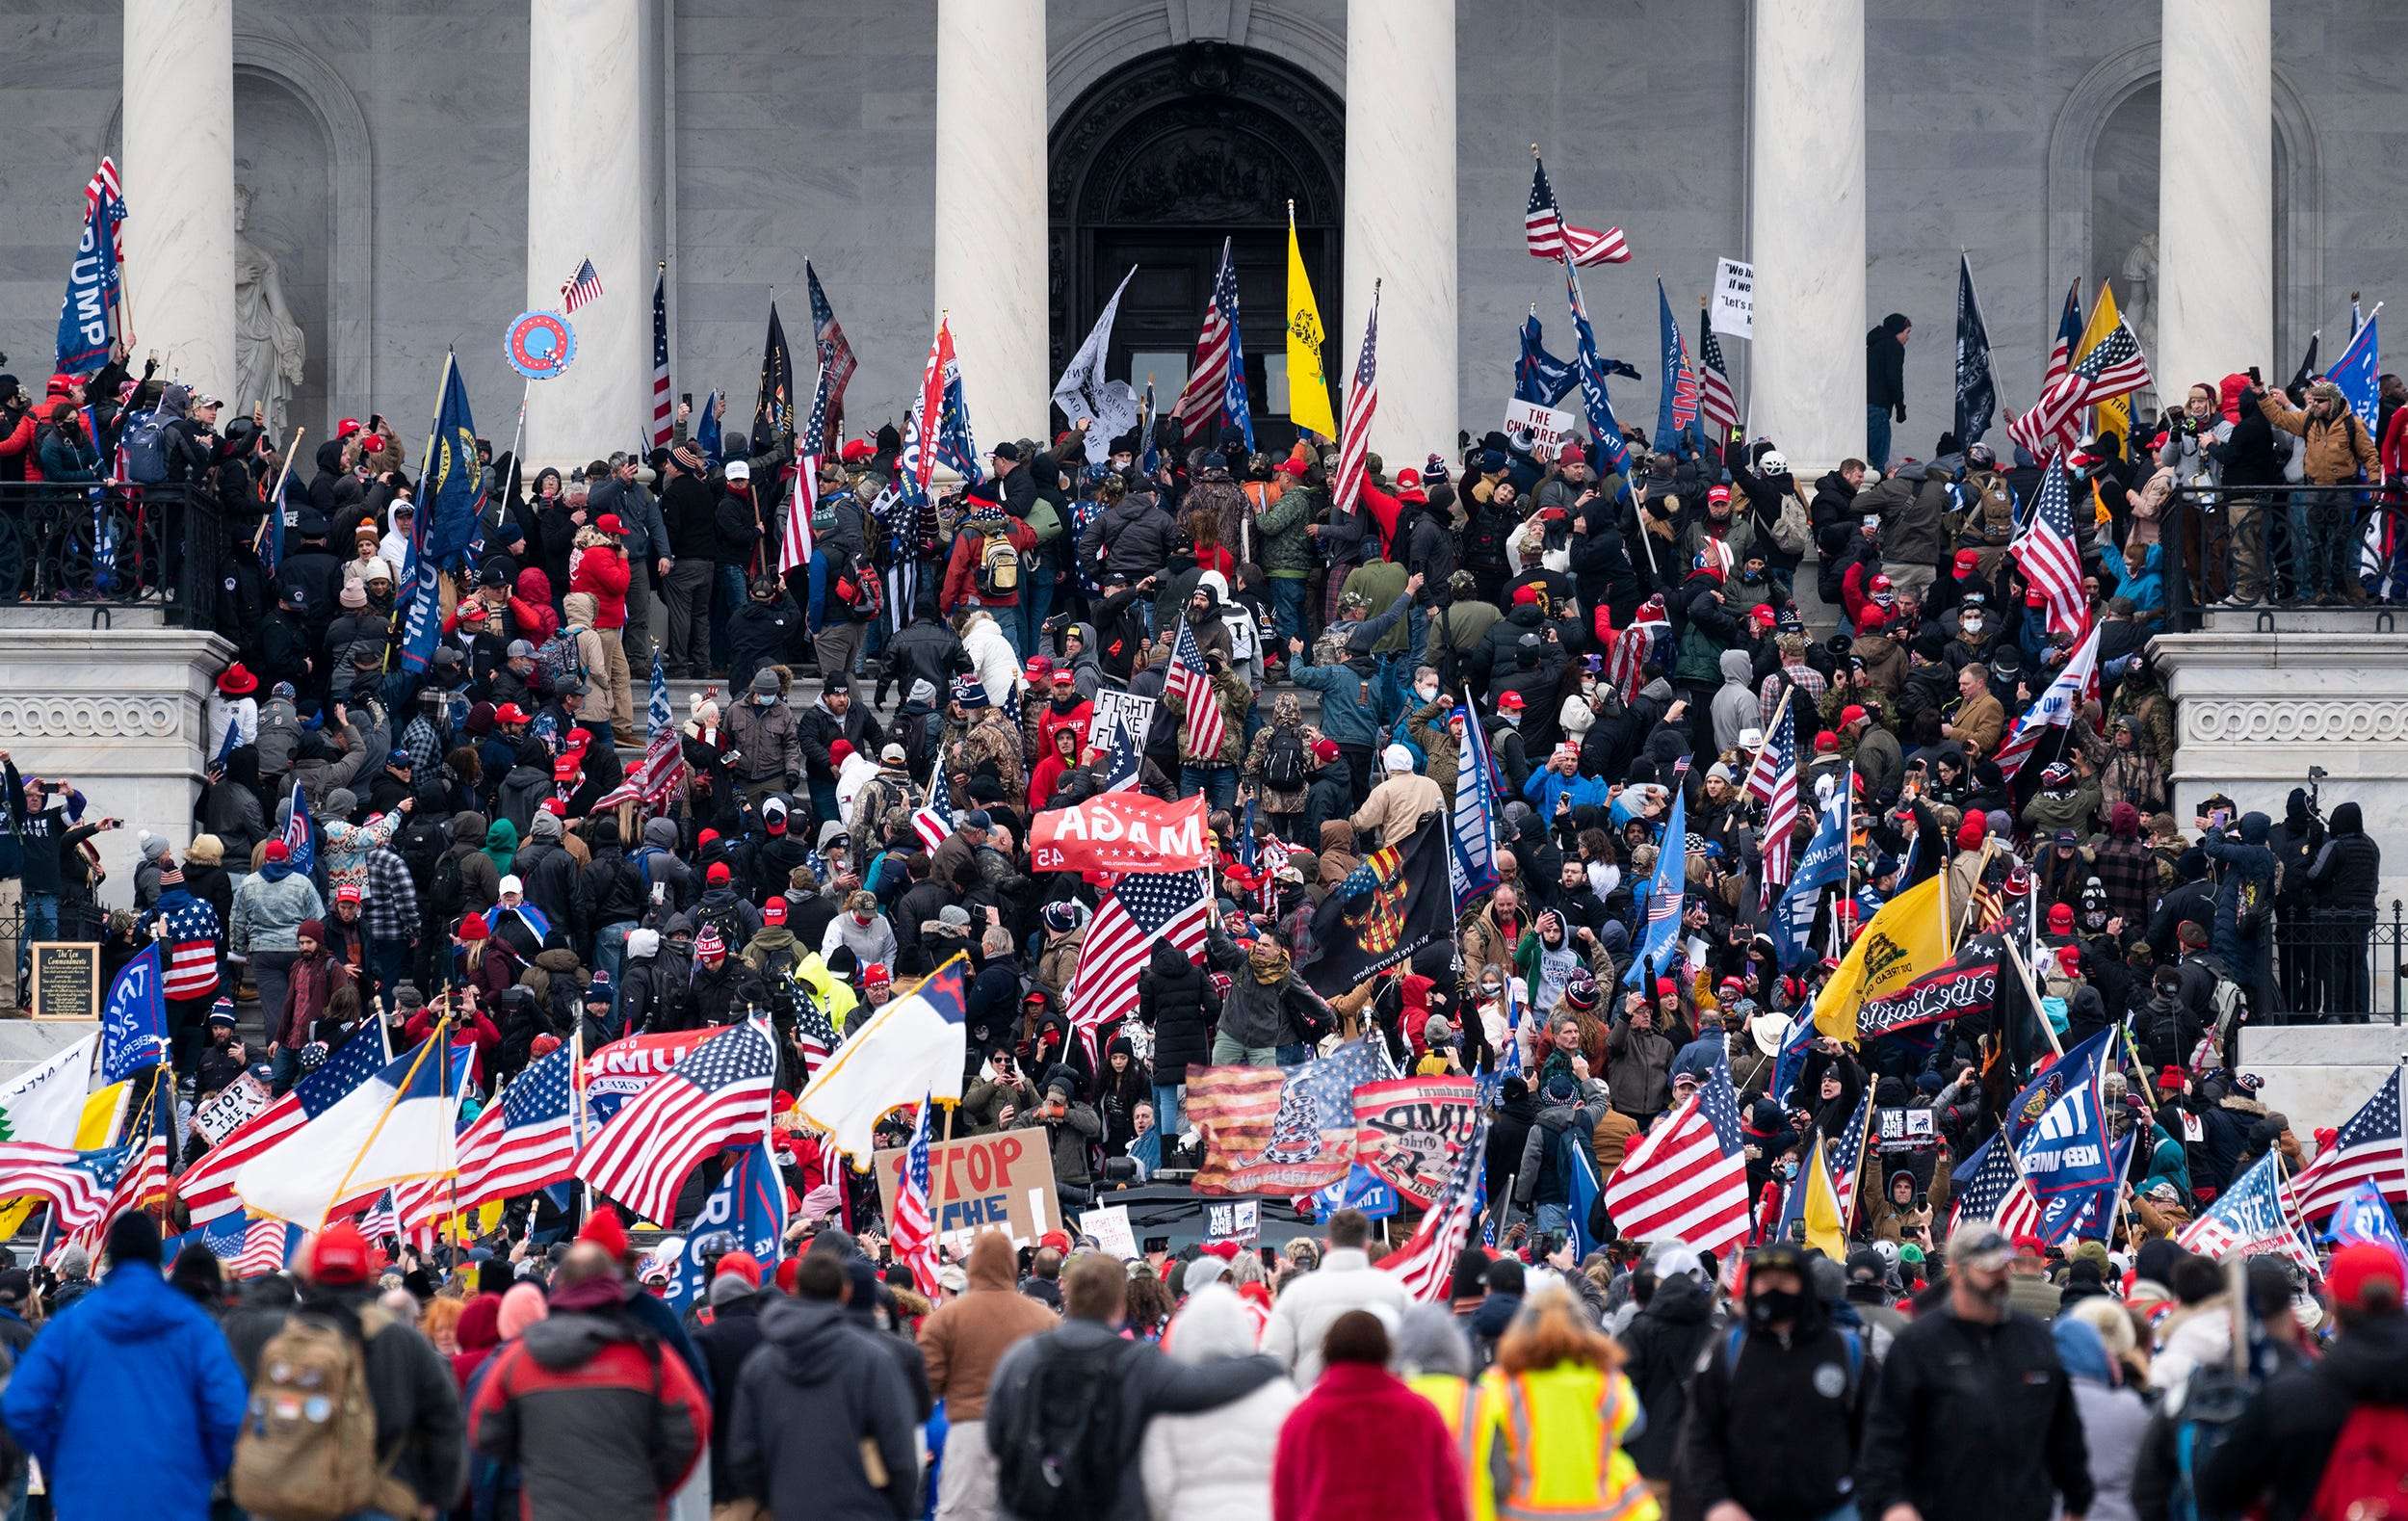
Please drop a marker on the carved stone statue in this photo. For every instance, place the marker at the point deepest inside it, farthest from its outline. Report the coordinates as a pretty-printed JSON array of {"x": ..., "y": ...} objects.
[
  {"x": 269, "y": 345},
  {"x": 2137, "y": 290}
]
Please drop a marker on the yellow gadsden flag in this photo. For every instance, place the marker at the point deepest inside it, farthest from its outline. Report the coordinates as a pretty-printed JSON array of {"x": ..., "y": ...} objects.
[
  {"x": 1906, "y": 939},
  {"x": 1826, "y": 1222},
  {"x": 2115, "y": 417},
  {"x": 1308, "y": 382}
]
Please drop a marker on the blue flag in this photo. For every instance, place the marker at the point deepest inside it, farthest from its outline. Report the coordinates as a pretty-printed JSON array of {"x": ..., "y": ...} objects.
[
  {"x": 1359, "y": 1190},
  {"x": 2050, "y": 1083},
  {"x": 88, "y": 317},
  {"x": 2355, "y": 372},
  {"x": 1613, "y": 452},
  {"x": 659, "y": 717},
  {"x": 1790, "y": 1062},
  {"x": 1539, "y": 376},
  {"x": 1662, "y": 941},
  {"x": 300, "y": 839},
  {"x": 134, "y": 1020},
  {"x": 451, "y": 491},
  {"x": 1676, "y": 398},
  {"x": 1823, "y": 865},
  {"x": 2365, "y": 1215},
  {"x": 2065, "y": 1155},
  {"x": 1471, "y": 841},
  {"x": 749, "y": 1204},
  {"x": 706, "y": 428}
]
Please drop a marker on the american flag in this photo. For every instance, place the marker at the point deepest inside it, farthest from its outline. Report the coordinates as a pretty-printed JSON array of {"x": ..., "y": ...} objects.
[
  {"x": 192, "y": 948},
  {"x": 1354, "y": 436},
  {"x": 140, "y": 1181},
  {"x": 2050, "y": 558},
  {"x": 916, "y": 465},
  {"x": 1998, "y": 1192},
  {"x": 1427, "y": 1262},
  {"x": 719, "y": 1096},
  {"x": 1139, "y": 909},
  {"x": 380, "y": 1220},
  {"x": 1650, "y": 631},
  {"x": 794, "y": 545},
  {"x": 663, "y": 424},
  {"x": 526, "y": 1141},
  {"x": 1548, "y": 236},
  {"x": 2077, "y": 683},
  {"x": 1216, "y": 372},
  {"x": 2256, "y": 1216},
  {"x": 2067, "y": 339},
  {"x": 580, "y": 288},
  {"x": 836, "y": 360},
  {"x": 1715, "y": 397},
  {"x": 2115, "y": 368},
  {"x": 104, "y": 188},
  {"x": 77, "y": 1185},
  {"x": 2368, "y": 1148},
  {"x": 933, "y": 819},
  {"x": 1192, "y": 685},
  {"x": 1846, "y": 1155},
  {"x": 299, "y": 841},
  {"x": 1292, "y": 1120},
  {"x": 815, "y": 1033},
  {"x": 207, "y": 1186},
  {"x": 1774, "y": 782},
  {"x": 1688, "y": 1177},
  {"x": 267, "y": 1246},
  {"x": 910, "y": 1231}
]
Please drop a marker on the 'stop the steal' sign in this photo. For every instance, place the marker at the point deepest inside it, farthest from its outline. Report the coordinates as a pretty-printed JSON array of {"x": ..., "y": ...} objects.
[{"x": 1733, "y": 308}]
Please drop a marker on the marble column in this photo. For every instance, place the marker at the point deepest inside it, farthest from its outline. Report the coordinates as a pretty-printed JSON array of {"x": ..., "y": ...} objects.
[
  {"x": 1400, "y": 222},
  {"x": 585, "y": 200},
  {"x": 1806, "y": 231},
  {"x": 991, "y": 257},
  {"x": 179, "y": 170},
  {"x": 2215, "y": 192}
]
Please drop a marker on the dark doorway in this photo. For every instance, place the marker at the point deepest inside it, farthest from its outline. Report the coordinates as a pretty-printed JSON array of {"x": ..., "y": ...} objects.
[{"x": 1154, "y": 167}]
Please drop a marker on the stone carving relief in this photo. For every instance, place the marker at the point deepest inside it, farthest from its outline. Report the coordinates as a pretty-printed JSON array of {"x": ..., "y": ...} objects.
[
  {"x": 2317, "y": 721},
  {"x": 92, "y": 717}
]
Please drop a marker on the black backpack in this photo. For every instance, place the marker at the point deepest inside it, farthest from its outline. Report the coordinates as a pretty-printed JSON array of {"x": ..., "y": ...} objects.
[
  {"x": 1283, "y": 762},
  {"x": 1062, "y": 1456}
]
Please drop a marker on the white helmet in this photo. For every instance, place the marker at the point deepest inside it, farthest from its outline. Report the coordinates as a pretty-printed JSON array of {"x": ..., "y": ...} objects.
[{"x": 1773, "y": 462}]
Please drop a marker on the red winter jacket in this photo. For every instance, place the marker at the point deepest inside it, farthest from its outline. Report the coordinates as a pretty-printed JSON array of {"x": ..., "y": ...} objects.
[
  {"x": 473, "y": 1029},
  {"x": 18, "y": 446},
  {"x": 602, "y": 570},
  {"x": 1324, "y": 1471},
  {"x": 961, "y": 570},
  {"x": 531, "y": 606}
]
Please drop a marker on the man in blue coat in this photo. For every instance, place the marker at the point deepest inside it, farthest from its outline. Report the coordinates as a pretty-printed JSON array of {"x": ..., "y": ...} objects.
[{"x": 130, "y": 1401}]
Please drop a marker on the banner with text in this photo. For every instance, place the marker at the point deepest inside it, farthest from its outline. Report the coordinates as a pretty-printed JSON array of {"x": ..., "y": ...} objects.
[{"x": 1120, "y": 832}]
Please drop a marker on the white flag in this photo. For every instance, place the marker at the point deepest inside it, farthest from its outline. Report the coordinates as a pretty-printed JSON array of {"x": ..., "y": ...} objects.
[{"x": 1083, "y": 392}]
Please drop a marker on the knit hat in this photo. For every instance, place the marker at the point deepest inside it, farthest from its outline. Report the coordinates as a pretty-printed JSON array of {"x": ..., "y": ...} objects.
[
  {"x": 1971, "y": 833},
  {"x": 2356, "y": 1268},
  {"x": 708, "y": 946},
  {"x": 969, "y": 691},
  {"x": 606, "y": 1230},
  {"x": 472, "y": 928},
  {"x": 311, "y": 929}
]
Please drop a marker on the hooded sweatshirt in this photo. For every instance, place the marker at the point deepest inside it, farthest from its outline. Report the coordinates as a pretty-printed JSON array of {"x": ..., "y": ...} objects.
[
  {"x": 807, "y": 1402},
  {"x": 966, "y": 1337}
]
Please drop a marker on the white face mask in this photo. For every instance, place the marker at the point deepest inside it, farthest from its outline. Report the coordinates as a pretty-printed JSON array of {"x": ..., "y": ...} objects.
[{"x": 1429, "y": 693}]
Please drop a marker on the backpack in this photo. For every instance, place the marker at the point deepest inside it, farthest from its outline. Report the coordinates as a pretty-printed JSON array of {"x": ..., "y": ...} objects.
[
  {"x": 1284, "y": 760},
  {"x": 560, "y": 658},
  {"x": 2216, "y": 1397},
  {"x": 2367, "y": 1472},
  {"x": 446, "y": 887},
  {"x": 860, "y": 587},
  {"x": 2252, "y": 907},
  {"x": 307, "y": 1447},
  {"x": 145, "y": 444},
  {"x": 1059, "y": 1458},
  {"x": 1788, "y": 530},
  {"x": 1044, "y": 521},
  {"x": 999, "y": 566}
]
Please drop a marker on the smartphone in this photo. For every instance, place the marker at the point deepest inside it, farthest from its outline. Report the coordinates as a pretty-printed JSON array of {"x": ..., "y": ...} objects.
[
  {"x": 685, "y": 397},
  {"x": 2221, "y": 816}
]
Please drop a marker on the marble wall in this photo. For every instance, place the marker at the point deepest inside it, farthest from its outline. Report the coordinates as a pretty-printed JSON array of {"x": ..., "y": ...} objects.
[{"x": 283, "y": 157}]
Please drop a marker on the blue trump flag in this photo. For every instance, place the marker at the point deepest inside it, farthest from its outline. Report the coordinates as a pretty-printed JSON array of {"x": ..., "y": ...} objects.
[
  {"x": 2355, "y": 372},
  {"x": 451, "y": 502},
  {"x": 1823, "y": 865},
  {"x": 1359, "y": 1190},
  {"x": 301, "y": 841},
  {"x": 2065, "y": 1154},
  {"x": 1471, "y": 837},
  {"x": 749, "y": 1204},
  {"x": 87, "y": 317},
  {"x": 1676, "y": 398},
  {"x": 1662, "y": 937},
  {"x": 134, "y": 1020},
  {"x": 706, "y": 428},
  {"x": 2365, "y": 1216},
  {"x": 1614, "y": 454},
  {"x": 1539, "y": 376}
]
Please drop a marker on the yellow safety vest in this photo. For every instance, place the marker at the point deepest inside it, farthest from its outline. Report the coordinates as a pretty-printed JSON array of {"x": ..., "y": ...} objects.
[
  {"x": 1562, "y": 1431},
  {"x": 1463, "y": 1405}
]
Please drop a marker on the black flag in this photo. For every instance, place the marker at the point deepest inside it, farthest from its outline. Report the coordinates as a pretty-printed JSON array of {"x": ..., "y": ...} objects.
[
  {"x": 1977, "y": 389},
  {"x": 773, "y": 413},
  {"x": 1396, "y": 903}
]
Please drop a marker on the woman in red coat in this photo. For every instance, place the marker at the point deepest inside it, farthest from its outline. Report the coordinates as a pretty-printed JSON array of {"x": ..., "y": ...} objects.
[{"x": 1325, "y": 1470}]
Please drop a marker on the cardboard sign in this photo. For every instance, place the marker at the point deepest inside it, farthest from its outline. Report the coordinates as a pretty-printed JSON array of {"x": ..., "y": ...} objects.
[
  {"x": 1002, "y": 1182},
  {"x": 1111, "y": 1230},
  {"x": 66, "y": 978},
  {"x": 1734, "y": 306},
  {"x": 235, "y": 1103},
  {"x": 1536, "y": 429},
  {"x": 1120, "y": 832}
]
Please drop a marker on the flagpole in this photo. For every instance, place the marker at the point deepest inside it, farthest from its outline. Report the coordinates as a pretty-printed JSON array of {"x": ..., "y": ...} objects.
[
  {"x": 275, "y": 496},
  {"x": 2032, "y": 990},
  {"x": 518, "y": 436}
]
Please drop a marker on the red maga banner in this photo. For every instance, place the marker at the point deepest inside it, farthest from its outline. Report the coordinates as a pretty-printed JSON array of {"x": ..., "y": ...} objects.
[
  {"x": 1120, "y": 832},
  {"x": 1410, "y": 1129}
]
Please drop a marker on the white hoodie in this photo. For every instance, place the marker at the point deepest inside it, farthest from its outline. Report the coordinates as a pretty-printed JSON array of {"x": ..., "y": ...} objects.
[
  {"x": 1214, "y": 1466},
  {"x": 990, "y": 655}
]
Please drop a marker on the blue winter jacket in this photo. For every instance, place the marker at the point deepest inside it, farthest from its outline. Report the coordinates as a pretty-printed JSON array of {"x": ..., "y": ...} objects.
[{"x": 132, "y": 1357}]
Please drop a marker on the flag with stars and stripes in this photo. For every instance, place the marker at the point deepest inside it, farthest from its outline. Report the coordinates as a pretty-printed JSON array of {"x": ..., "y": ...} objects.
[
  {"x": 525, "y": 1140},
  {"x": 1354, "y": 436},
  {"x": 1686, "y": 1178},
  {"x": 909, "y": 1230},
  {"x": 378, "y": 1221},
  {"x": 2368, "y": 1148},
  {"x": 715, "y": 1097},
  {"x": 1192, "y": 684},
  {"x": 2076, "y": 682},
  {"x": 301, "y": 841},
  {"x": 578, "y": 289},
  {"x": 2049, "y": 555},
  {"x": 794, "y": 545},
  {"x": 77, "y": 1185},
  {"x": 938, "y": 430},
  {"x": 1548, "y": 236},
  {"x": 1648, "y": 638},
  {"x": 1845, "y": 1157},
  {"x": 815, "y": 1032},
  {"x": 2114, "y": 367},
  {"x": 105, "y": 189},
  {"x": 1284, "y": 1130},
  {"x": 836, "y": 358},
  {"x": 190, "y": 934},
  {"x": 1427, "y": 1263},
  {"x": 140, "y": 1181},
  {"x": 1715, "y": 397},
  {"x": 664, "y": 423},
  {"x": 2256, "y": 1217},
  {"x": 1137, "y": 910},
  {"x": 933, "y": 819},
  {"x": 1996, "y": 1192},
  {"x": 207, "y": 1186},
  {"x": 1215, "y": 390},
  {"x": 1774, "y": 782}
]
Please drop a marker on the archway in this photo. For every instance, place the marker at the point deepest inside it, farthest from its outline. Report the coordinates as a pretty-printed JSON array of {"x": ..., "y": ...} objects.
[{"x": 1153, "y": 167}]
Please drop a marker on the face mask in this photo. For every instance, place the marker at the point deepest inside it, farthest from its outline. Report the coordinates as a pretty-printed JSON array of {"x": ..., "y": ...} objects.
[
  {"x": 1773, "y": 1306},
  {"x": 1429, "y": 694},
  {"x": 1973, "y": 627}
]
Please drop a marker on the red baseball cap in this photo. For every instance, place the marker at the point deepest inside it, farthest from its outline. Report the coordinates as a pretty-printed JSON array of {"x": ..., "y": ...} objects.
[
  {"x": 1967, "y": 561},
  {"x": 1826, "y": 743},
  {"x": 347, "y": 894},
  {"x": 340, "y": 1255},
  {"x": 556, "y": 808},
  {"x": 278, "y": 850},
  {"x": 773, "y": 911},
  {"x": 715, "y": 873},
  {"x": 2358, "y": 1266},
  {"x": 1057, "y": 1239},
  {"x": 1851, "y": 712},
  {"x": 1510, "y": 702},
  {"x": 2029, "y": 1245},
  {"x": 510, "y": 713},
  {"x": 609, "y": 523}
]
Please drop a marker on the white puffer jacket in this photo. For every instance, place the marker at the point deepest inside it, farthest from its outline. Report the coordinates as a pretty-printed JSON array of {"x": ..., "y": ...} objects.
[{"x": 1214, "y": 1466}]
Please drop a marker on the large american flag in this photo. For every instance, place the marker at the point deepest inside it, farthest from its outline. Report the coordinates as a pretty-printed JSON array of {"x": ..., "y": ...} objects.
[
  {"x": 77, "y": 1185},
  {"x": 664, "y": 423},
  {"x": 1650, "y": 631},
  {"x": 933, "y": 819},
  {"x": 527, "y": 1141},
  {"x": 207, "y": 1186},
  {"x": 1427, "y": 1262},
  {"x": 2368, "y": 1148},
  {"x": 1209, "y": 372},
  {"x": 141, "y": 1181},
  {"x": 910, "y": 1231},
  {"x": 719, "y": 1096},
  {"x": 583, "y": 286},
  {"x": 2115, "y": 368},
  {"x": 1137, "y": 910},
  {"x": 1998, "y": 1192},
  {"x": 836, "y": 358},
  {"x": 2067, "y": 339},
  {"x": 190, "y": 934},
  {"x": 1774, "y": 782},
  {"x": 1686, "y": 1178},
  {"x": 794, "y": 545},
  {"x": 2050, "y": 557},
  {"x": 1193, "y": 684},
  {"x": 2077, "y": 683},
  {"x": 1354, "y": 435},
  {"x": 1846, "y": 1155},
  {"x": 1548, "y": 236},
  {"x": 267, "y": 1246},
  {"x": 1715, "y": 397}
]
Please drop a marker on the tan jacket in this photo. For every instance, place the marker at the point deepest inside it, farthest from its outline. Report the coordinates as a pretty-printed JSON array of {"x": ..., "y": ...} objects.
[
  {"x": 1397, "y": 807},
  {"x": 967, "y": 1337},
  {"x": 2338, "y": 448},
  {"x": 1979, "y": 722}
]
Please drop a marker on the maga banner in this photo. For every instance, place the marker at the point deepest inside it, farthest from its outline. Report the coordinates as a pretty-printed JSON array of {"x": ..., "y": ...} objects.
[
  {"x": 1120, "y": 832},
  {"x": 1409, "y": 1131}
]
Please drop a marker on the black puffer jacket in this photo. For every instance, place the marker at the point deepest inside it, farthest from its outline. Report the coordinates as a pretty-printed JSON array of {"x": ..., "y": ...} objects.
[
  {"x": 2347, "y": 870},
  {"x": 1176, "y": 1001},
  {"x": 1662, "y": 1342},
  {"x": 1133, "y": 538}
]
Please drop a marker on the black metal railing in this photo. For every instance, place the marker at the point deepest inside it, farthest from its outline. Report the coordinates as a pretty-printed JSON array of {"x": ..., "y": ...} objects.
[
  {"x": 2335, "y": 968},
  {"x": 70, "y": 546},
  {"x": 2291, "y": 546}
]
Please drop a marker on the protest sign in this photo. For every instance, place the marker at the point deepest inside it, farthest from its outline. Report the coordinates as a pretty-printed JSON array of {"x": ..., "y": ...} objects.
[
  {"x": 1120, "y": 832},
  {"x": 1003, "y": 1181},
  {"x": 1734, "y": 306},
  {"x": 1536, "y": 429}
]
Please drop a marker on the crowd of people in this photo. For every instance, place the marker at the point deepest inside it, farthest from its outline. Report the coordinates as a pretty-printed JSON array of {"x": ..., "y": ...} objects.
[{"x": 474, "y": 848}]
